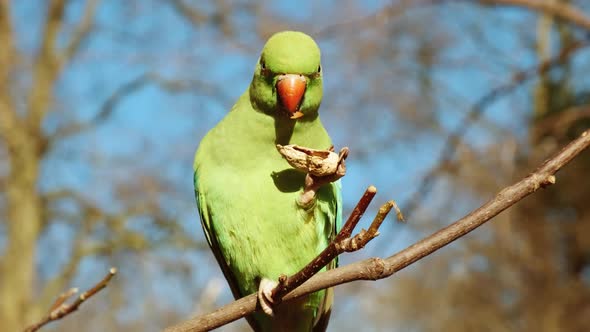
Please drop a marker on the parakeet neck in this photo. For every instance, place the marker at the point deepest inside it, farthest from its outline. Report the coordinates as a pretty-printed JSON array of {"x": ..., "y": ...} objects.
[
  {"x": 301, "y": 131},
  {"x": 306, "y": 131}
]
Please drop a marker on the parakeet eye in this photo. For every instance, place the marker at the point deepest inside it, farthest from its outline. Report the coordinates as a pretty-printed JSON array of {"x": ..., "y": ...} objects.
[
  {"x": 319, "y": 68},
  {"x": 263, "y": 70}
]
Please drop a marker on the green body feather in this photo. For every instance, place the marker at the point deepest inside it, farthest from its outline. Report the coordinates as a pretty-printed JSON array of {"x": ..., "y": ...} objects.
[{"x": 247, "y": 195}]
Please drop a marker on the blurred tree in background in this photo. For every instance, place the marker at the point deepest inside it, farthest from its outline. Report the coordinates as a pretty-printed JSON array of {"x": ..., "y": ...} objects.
[{"x": 102, "y": 104}]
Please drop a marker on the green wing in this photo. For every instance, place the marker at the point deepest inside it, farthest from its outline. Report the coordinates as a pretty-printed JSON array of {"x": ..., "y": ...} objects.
[
  {"x": 205, "y": 215},
  {"x": 212, "y": 238}
]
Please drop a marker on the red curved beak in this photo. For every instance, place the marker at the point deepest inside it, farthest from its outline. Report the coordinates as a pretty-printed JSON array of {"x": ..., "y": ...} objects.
[{"x": 290, "y": 88}]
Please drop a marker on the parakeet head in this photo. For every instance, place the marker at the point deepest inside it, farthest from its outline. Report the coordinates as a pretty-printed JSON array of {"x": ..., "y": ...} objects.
[{"x": 288, "y": 77}]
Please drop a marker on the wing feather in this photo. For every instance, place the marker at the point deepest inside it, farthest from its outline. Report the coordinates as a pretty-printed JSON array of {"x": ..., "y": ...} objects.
[{"x": 209, "y": 229}]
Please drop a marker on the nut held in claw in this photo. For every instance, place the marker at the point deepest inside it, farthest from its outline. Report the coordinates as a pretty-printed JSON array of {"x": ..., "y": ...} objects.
[{"x": 312, "y": 161}]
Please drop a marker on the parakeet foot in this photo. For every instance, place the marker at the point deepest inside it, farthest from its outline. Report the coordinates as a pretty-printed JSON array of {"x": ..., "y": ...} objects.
[{"x": 265, "y": 295}]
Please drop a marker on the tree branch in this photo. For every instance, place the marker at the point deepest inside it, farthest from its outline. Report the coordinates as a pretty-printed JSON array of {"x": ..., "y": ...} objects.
[
  {"x": 561, "y": 10},
  {"x": 378, "y": 268},
  {"x": 343, "y": 242},
  {"x": 10, "y": 124},
  {"x": 220, "y": 15},
  {"x": 194, "y": 16},
  {"x": 81, "y": 31},
  {"x": 46, "y": 67},
  {"x": 88, "y": 218},
  {"x": 559, "y": 123},
  {"x": 475, "y": 113},
  {"x": 59, "y": 309},
  {"x": 108, "y": 107}
]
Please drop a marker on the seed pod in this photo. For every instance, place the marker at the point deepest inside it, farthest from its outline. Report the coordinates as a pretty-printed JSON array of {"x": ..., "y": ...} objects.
[{"x": 312, "y": 161}]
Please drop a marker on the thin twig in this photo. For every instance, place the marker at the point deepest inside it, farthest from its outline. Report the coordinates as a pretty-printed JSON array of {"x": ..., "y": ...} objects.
[
  {"x": 335, "y": 248},
  {"x": 59, "y": 309},
  {"x": 63, "y": 297},
  {"x": 378, "y": 268},
  {"x": 357, "y": 213}
]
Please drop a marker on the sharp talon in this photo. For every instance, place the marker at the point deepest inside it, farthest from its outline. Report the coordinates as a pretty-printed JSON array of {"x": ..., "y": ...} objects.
[{"x": 265, "y": 295}]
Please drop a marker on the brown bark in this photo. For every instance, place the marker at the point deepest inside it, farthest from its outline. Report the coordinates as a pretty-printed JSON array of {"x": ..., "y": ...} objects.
[
  {"x": 24, "y": 141},
  {"x": 61, "y": 308},
  {"x": 24, "y": 217}
]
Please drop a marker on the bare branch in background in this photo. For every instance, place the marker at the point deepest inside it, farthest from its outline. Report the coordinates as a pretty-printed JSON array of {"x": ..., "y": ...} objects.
[
  {"x": 380, "y": 17},
  {"x": 85, "y": 220},
  {"x": 60, "y": 309},
  {"x": 9, "y": 122},
  {"x": 557, "y": 124},
  {"x": 564, "y": 11},
  {"x": 46, "y": 67},
  {"x": 561, "y": 10},
  {"x": 220, "y": 16},
  {"x": 476, "y": 112},
  {"x": 378, "y": 268},
  {"x": 110, "y": 104},
  {"x": 50, "y": 62},
  {"x": 190, "y": 13},
  {"x": 81, "y": 32}
]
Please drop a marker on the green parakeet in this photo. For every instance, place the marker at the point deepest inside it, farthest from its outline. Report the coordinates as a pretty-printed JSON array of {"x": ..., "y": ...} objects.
[{"x": 247, "y": 193}]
